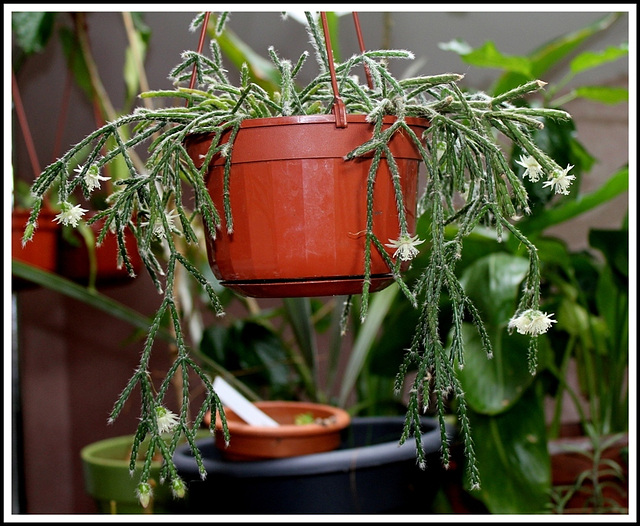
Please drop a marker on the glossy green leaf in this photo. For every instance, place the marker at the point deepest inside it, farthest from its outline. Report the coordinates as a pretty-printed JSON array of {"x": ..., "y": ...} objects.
[
  {"x": 553, "y": 52},
  {"x": 513, "y": 459},
  {"x": 493, "y": 385},
  {"x": 589, "y": 59},
  {"x": 363, "y": 343},
  {"x": 488, "y": 56},
  {"x": 76, "y": 61},
  {"x": 32, "y": 30},
  {"x": 603, "y": 94},
  {"x": 299, "y": 315},
  {"x": 492, "y": 283}
]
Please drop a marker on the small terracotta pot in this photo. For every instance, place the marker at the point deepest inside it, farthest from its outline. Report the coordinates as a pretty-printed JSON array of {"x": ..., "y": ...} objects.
[
  {"x": 288, "y": 439},
  {"x": 74, "y": 258},
  {"x": 568, "y": 464},
  {"x": 300, "y": 210}
]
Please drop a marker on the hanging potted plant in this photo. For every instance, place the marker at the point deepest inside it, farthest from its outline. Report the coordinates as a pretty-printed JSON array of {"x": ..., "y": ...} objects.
[
  {"x": 73, "y": 253},
  {"x": 199, "y": 145}
]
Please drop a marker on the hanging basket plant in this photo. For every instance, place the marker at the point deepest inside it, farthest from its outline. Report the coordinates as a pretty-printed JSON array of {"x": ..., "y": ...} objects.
[{"x": 375, "y": 137}]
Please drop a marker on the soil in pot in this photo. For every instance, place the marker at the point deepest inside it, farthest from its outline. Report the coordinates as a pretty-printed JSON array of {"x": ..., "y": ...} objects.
[
  {"x": 299, "y": 209},
  {"x": 368, "y": 473}
]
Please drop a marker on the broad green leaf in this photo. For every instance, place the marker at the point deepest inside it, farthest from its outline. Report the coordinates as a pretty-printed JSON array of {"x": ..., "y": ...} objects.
[
  {"x": 513, "y": 460},
  {"x": 604, "y": 94},
  {"x": 488, "y": 56},
  {"x": 32, "y": 30},
  {"x": 493, "y": 385},
  {"x": 590, "y": 59},
  {"x": 131, "y": 71},
  {"x": 256, "y": 351},
  {"x": 492, "y": 283},
  {"x": 614, "y": 245},
  {"x": 142, "y": 35},
  {"x": 75, "y": 61},
  {"x": 553, "y": 52}
]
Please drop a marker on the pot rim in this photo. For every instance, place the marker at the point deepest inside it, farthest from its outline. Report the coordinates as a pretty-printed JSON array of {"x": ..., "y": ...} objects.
[
  {"x": 327, "y": 462},
  {"x": 355, "y": 118},
  {"x": 239, "y": 427}
]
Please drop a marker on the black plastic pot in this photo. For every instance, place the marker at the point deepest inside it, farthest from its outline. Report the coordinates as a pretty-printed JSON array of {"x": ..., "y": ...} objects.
[{"x": 368, "y": 473}]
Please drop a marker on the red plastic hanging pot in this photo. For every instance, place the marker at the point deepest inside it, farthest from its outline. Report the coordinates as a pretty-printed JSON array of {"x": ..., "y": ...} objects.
[
  {"x": 300, "y": 209},
  {"x": 43, "y": 250}
]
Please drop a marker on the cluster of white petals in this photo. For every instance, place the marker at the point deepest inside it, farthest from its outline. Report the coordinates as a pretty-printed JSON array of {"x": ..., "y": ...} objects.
[
  {"x": 531, "y": 322},
  {"x": 92, "y": 178},
  {"x": 167, "y": 420},
  {"x": 405, "y": 247},
  {"x": 70, "y": 215},
  {"x": 533, "y": 170},
  {"x": 560, "y": 181}
]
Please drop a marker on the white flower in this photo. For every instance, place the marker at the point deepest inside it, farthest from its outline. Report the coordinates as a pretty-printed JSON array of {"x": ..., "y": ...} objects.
[
  {"x": 92, "y": 178},
  {"x": 531, "y": 322},
  {"x": 158, "y": 226},
  {"x": 533, "y": 170},
  {"x": 560, "y": 181},
  {"x": 144, "y": 493},
  {"x": 70, "y": 215},
  {"x": 167, "y": 420},
  {"x": 405, "y": 247}
]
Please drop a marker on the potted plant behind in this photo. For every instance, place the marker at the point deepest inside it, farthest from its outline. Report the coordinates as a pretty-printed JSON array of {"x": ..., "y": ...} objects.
[{"x": 470, "y": 182}]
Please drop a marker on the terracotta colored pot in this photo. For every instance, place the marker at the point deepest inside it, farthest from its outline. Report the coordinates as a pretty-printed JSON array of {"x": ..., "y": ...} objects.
[
  {"x": 288, "y": 439},
  {"x": 42, "y": 250},
  {"x": 569, "y": 462},
  {"x": 299, "y": 209},
  {"x": 74, "y": 258}
]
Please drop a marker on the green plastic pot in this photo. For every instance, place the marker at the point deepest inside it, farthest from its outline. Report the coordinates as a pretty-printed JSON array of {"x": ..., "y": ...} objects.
[{"x": 107, "y": 479}]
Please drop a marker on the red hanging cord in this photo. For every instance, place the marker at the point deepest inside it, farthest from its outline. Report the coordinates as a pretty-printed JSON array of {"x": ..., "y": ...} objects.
[
  {"x": 24, "y": 125},
  {"x": 203, "y": 34},
  {"x": 339, "y": 109},
  {"x": 356, "y": 21}
]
